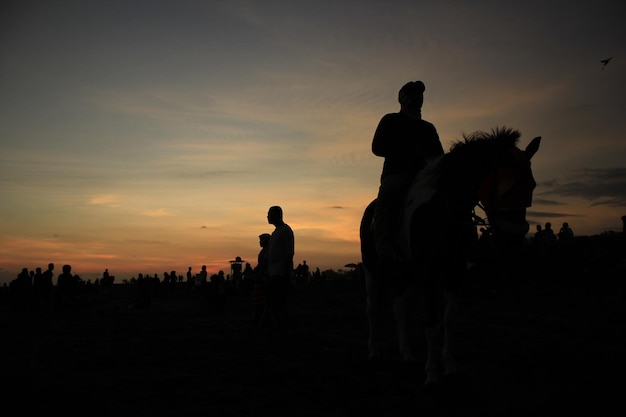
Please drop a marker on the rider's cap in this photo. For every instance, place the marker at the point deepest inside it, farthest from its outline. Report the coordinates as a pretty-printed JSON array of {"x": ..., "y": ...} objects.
[{"x": 410, "y": 89}]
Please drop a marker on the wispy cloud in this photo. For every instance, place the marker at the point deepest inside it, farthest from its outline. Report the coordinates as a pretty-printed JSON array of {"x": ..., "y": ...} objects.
[
  {"x": 160, "y": 212},
  {"x": 604, "y": 186},
  {"x": 547, "y": 202},
  {"x": 550, "y": 214},
  {"x": 105, "y": 200}
]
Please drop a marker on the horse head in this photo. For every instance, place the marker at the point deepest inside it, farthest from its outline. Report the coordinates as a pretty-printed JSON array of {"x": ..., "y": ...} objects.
[{"x": 507, "y": 191}]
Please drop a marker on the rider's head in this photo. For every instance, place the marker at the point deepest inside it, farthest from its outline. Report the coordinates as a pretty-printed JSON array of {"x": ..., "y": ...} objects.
[{"x": 411, "y": 97}]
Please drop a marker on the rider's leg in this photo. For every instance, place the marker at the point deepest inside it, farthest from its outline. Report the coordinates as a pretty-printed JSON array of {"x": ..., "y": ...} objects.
[{"x": 386, "y": 217}]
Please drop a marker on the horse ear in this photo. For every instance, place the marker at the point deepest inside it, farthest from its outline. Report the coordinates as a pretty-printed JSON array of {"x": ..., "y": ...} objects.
[{"x": 532, "y": 147}]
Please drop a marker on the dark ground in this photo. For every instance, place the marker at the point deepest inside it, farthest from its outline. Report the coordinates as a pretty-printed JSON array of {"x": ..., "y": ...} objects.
[{"x": 549, "y": 345}]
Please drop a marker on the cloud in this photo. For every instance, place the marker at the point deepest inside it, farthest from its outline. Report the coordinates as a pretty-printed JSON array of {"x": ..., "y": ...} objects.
[
  {"x": 161, "y": 212},
  {"x": 105, "y": 200},
  {"x": 613, "y": 202},
  {"x": 551, "y": 214},
  {"x": 547, "y": 202},
  {"x": 601, "y": 186}
]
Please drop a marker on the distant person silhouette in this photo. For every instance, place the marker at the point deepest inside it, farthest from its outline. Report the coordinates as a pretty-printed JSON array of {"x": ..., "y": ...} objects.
[
  {"x": 298, "y": 272},
  {"x": 550, "y": 237},
  {"x": 247, "y": 279},
  {"x": 217, "y": 291},
  {"x": 48, "y": 283},
  {"x": 202, "y": 280},
  {"x": 25, "y": 279},
  {"x": 38, "y": 276},
  {"x": 107, "y": 279},
  {"x": 143, "y": 295},
  {"x": 49, "y": 273},
  {"x": 236, "y": 273},
  {"x": 261, "y": 267},
  {"x": 39, "y": 289},
  {"x": 173, "y": 278},
  {"x": 21, "y": 288},
  {"x": 190, "y": 280},
  {"x": 407, "y": 142},
  {"x": 566, "y": 232},
  {"x": 539, "y": 238},
  {"x": 260, "y": 279},
  {"x": 67, "y": 288},
  {"x": 317, "y": 275},
  {"x": 280, "y": 268},
  {"x": 305, "y": 271}
]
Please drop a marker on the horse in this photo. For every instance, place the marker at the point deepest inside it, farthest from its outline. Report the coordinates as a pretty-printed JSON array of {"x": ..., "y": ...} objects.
[{"x": 436, "y": 234}]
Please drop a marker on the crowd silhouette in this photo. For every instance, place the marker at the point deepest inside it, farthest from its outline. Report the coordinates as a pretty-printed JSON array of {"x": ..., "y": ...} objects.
[
  {"x": 563, "y": 254},
  {"x": 40, "y": 289},
  {"x": 545, "y": 252}
]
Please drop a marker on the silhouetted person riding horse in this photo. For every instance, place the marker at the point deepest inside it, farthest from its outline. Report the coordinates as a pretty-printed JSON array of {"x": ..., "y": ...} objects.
[{"x": 407, "y": 142}]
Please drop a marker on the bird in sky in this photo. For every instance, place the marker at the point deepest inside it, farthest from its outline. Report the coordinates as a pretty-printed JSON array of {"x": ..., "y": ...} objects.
[{"x": 605, "y": 61}]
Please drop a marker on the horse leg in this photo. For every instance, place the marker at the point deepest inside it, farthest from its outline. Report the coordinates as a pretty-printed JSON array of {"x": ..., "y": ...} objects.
[
  {"x": 400, "y": 303},
  {"x": 450, "y": 317},
  {"x": 433, "y": 354},
  {"x": 373, "y": 314},
  {"x": 440, "y": 342}
]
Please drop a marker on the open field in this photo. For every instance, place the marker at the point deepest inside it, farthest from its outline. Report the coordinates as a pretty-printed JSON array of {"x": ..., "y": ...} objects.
[{"x": 547, "y": 344}]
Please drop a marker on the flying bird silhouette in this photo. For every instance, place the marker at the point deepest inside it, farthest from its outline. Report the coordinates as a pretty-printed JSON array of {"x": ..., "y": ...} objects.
[{"x": 606, "y": 61}]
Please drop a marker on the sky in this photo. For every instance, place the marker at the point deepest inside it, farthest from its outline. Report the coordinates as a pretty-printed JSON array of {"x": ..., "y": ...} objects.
[{"x": 150, "y": 136}]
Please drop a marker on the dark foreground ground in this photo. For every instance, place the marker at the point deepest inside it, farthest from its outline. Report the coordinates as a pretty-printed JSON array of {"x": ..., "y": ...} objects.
[{"x": 548, "y": 345}]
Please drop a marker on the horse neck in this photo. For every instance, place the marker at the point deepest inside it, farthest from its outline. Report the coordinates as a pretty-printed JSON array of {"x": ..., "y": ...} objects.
[{"x": 461, "y": 193}]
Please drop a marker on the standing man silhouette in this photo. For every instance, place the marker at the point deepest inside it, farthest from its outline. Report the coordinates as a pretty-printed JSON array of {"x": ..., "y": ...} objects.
[
  {"x": 407, "y": 142},
  {"x": 279, "y": 269}
]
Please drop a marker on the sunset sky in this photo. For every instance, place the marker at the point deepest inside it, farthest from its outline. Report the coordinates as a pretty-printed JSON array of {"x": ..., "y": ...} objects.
[{"x": 149, "y": 136}]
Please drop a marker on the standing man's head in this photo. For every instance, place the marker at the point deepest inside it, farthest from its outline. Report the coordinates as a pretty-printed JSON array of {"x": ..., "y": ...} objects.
[{"x": 275, "y": 215}]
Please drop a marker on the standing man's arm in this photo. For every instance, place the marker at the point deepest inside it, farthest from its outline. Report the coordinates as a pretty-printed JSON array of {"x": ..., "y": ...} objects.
[{"x": 291, "y": 244}]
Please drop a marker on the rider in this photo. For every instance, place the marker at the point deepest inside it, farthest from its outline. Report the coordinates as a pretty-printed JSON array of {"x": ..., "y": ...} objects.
[{"x": 407, "y": 142}]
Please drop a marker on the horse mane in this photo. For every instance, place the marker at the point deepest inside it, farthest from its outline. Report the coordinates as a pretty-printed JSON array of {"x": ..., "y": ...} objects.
[
  {"x": 503, "y": 136},
  {"x": 475, "y": 150}
]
